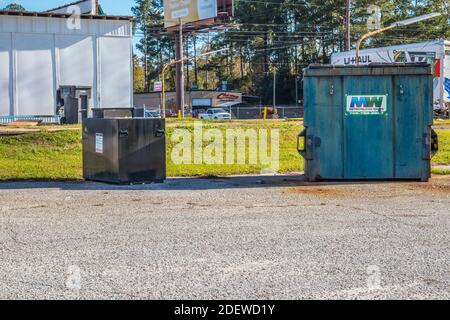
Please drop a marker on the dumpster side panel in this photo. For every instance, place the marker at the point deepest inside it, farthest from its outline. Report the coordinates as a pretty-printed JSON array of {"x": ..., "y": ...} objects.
[
  {"x": 323, "y": 110},
  {"x": 368, "y": 140},
  {"x": 310, "y": 112},
  {"x": 412, "y": 125},
  {"x": 142, "y": 150},
  {"x": 100, "y": 151},
  {"x": 428, "y": 118},
  {"x": 124, "y": 151}
]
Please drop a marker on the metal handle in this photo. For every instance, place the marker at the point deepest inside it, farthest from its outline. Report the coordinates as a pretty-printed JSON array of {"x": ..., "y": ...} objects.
[
  {"x": 123, "y": 133},
  {"x": 159, "y": 133},
  {"x": 430, "y": 144},
  {"x": 302, "y": 152},
  {"x": 434, "y": 143}
]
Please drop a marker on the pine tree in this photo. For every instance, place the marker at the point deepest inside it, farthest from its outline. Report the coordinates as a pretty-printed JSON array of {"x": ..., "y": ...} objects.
[{"x": 156, "y": 49}]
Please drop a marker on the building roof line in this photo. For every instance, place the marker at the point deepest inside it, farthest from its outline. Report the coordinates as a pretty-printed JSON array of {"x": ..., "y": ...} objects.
[
  {"x": 66, "y": 5},
  {"x": 60, "y": 15}
]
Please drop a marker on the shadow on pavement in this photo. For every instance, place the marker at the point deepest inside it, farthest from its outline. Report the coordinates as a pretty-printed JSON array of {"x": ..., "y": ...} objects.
[{"x": 234, "y": 182}]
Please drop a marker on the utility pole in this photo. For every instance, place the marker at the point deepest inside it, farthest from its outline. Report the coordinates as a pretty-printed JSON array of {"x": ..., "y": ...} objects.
[
  {"x": 188, "y": 80},
  {"x": 180, "y": 67},
  {"x": 274, "y": 87},
  {"x": 207, "y": 65},
  {"x": 176, "y": 62},
  {"x": 348, "y": 43},
  {"x": 195, "y": 62},
  {"x": 145, "y": 60}
]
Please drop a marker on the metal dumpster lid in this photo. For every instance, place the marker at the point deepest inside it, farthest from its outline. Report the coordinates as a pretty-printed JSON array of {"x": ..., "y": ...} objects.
[{"x": 370, "y": 69}]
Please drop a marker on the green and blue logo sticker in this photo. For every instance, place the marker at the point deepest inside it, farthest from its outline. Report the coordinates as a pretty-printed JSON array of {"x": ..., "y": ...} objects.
[{"x": 366, "y": 104}]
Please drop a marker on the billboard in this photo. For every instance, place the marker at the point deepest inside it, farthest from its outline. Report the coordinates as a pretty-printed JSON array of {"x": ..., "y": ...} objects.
[{"x": 188, "y": 11}]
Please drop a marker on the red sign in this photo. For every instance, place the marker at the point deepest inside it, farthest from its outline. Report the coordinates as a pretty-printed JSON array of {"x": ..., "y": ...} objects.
[
  {"x": 437, "y": 68},
  {"x": 227, "y": 96}
]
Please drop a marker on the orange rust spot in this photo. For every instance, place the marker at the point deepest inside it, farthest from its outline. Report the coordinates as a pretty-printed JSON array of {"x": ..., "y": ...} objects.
[
  {"x": 328, "y": 192},
  {"x": 431, "y": 187},
  {"x": 438, "y": 185}
]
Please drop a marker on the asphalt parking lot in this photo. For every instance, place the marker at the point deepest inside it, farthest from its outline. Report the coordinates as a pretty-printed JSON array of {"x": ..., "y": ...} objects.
[{"x": 231, "y": 238}]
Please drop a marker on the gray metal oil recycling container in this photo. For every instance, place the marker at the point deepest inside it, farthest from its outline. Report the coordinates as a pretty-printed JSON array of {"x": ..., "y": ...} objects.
[
  {"x": 368, "y": 122},
  {"x": 124, "y": 150}
]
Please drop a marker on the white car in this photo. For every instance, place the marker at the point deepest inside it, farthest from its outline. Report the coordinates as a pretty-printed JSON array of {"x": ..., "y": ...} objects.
[{"x": 215, "y": 114}]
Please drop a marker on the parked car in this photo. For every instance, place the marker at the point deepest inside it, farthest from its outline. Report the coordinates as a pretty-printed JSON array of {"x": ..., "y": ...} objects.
[
  {"x": 215, "y": 114},
  {"x": 171, "y": 114},
  {"x": 152, "y": 114}
]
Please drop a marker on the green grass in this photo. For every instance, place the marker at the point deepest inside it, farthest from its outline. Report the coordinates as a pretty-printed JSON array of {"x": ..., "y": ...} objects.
[
  {"x": 440, "y": 171},
  {"x": 290, "y": 160},
  {"x": 443, "y": 155},
  {"x": 443, "y": 121},
  {"x": 41, "y": 155},
  {"x": 57, "y": 155}
]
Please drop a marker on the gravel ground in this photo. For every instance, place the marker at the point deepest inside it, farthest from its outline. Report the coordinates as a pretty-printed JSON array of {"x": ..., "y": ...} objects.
[{"x": 233, "y": 238}]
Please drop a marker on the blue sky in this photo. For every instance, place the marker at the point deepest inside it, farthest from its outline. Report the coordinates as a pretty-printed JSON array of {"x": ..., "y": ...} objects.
[{"x": 111, "y": 7}]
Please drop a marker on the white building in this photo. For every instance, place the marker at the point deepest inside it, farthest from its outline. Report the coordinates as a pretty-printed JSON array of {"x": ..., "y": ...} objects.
[{"x": 41, "y": 51}]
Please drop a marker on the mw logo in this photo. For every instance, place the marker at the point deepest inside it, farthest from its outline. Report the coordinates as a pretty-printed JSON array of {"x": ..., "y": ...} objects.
[{"x": 367, "y": 102}]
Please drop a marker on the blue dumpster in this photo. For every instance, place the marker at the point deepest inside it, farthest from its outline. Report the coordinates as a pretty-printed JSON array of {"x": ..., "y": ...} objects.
[{"x": 369, "y": 122}]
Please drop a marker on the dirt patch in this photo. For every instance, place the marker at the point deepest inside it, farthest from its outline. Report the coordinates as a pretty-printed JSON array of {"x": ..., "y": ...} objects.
[
  {"x": 16, "y": 131},
  {"x": 442, "y": 127},
  {"x": 325, "y": 192},
  {"x": 23, "y": 123},
  {"x": 437, "y": 185},
  {"x": 12, "y": 130},
  {"x": 431, "y": 187}
]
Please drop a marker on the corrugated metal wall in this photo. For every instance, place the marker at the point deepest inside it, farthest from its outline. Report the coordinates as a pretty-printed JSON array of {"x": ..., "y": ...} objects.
[
  {"x": 39, "y": 54},
  {"x": 5, "y": 74},
  {"x": 100, "y": 27}
]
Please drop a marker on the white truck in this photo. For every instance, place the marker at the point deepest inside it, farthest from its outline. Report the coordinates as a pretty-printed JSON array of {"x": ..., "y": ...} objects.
[
  {"x": 215, "y": 114},
  {"x": 436, "y": 53}
]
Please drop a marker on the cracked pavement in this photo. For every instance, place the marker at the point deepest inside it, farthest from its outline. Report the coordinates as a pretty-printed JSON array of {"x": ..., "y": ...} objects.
[{"x": 256, "y": 237}]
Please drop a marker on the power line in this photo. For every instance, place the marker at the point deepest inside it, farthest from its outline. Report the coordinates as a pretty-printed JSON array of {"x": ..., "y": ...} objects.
[{"x": 304, "y": 5}]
